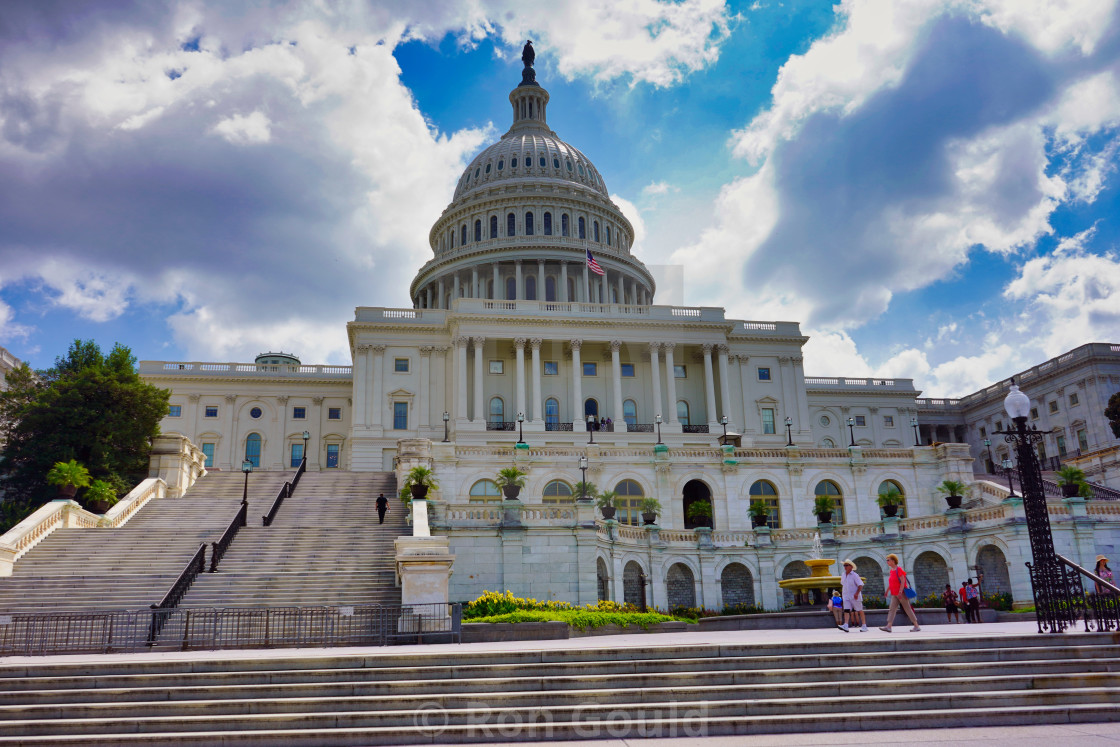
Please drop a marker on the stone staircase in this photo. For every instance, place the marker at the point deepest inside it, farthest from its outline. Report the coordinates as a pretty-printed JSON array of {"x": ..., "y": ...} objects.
[
  {"x": 133, "y": 566},
  {"x": 455, "y": 694},
  {"x": 324, "y": 548}
]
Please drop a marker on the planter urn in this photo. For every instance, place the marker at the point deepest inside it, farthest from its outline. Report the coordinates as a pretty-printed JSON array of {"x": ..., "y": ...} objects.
[
  {"x": 759, "y": 521},
  {"x": 1070, "y": 490},
  {"x": 419, "y": 492},
  {"x": 890, "y": 510},
  {"x": 954, "y": 501},
  {"x": 824, "y": 517},
  {"x": 511, "y": 492},
  {"x": 649, "y": 518},
  {"x": 608, "y": 511}
]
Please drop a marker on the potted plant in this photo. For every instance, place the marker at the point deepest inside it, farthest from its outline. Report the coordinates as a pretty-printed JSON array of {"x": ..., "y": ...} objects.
[
  {"x": 760, "y": 513},
  {"x": 823, "y": 506},
  {"x": 953, "y": 491},
  {"x": 650, "y": 507},
  {"x": 100, "y": 496},
  {"x": 890, "y": 499},
  {"x": 700, "y": 513},
  {"x": 510, "y": 480},
  {"x": 68, "y": 476},
  {"x": 607, "y": 501},
  {"x": 586, "y": 490},
  {"x": 1070, "y": 479},
  {"x": 419, "y": 480}
]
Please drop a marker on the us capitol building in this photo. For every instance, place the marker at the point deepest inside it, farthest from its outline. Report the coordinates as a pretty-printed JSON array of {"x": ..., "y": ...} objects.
[{"x": 515, "y": 335}]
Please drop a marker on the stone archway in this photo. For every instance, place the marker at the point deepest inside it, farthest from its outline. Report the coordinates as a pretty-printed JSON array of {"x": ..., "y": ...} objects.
[
  {"x": 931, "y": 574},
  {"x": 993, "y": 564},
  {"x": 694, "y": 491},
  {"x": 680, "y": 586},
  {"x": 872, "y": 574},
  {"x": 632, "y": 583},
  {"x": 603, "y": 580},
  {"x": 736, "y": 585},
  {"x": 796, "y": 569}
]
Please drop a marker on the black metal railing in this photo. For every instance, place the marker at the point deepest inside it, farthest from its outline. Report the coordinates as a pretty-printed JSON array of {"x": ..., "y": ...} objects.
[
  {"x": 694, "y": 428},
  {"x": 603, "y": 427},
  {"x": 185, "y": 629},
  {"x": 557, "y": 426},
  {"x": 285, "y": 491},
  {"x": 299, "y": 473},
  {"x": 1099, "y": 609},
  {"x": 1100, "y": 492},
  {"x": 159, "y": 611},
  {"x": 499, "y": 425},
  {"x": 641, "y": 428},
  {"x": 218, "y": 549}
]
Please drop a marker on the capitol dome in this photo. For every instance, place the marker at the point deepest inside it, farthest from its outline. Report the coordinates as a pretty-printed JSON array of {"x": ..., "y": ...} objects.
[{"x": 526, "y": 214}]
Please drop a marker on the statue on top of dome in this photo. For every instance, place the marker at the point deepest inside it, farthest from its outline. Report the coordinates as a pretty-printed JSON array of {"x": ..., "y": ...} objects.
[{"x": 528, "y": 56}]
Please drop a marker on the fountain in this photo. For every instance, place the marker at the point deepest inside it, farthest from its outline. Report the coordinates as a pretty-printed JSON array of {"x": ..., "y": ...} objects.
[{"x": 812, "y": 589}]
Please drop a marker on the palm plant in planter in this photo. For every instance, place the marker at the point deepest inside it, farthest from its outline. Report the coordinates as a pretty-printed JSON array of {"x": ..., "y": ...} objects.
[
  {"x": 823, "y": 506},
  {"x": 700, "y": 513},
  {"x": 760, "y": 513},
  {"x": 608, "y": 501},
  {"x": 586, "y": 490},
  {"x": 510, "y": 480},
  {"x": 68, "y": 476},
  {"x": 650, "y": 507},
  {"x": 890, "y": 499},
  {"x": 953, "y": 491},
  {"x": 100, "y": 496},
  {"x": 1070, "y": 479},
  {"x": 417, "y": 482}
]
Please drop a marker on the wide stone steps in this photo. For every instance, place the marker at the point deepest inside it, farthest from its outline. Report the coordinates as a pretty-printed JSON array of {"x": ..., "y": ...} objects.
[{"x": 448, "y": 694}]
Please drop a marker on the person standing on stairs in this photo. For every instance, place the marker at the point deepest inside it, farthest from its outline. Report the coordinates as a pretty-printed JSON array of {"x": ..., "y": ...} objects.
[
  {"x": 851, "y": 586},
  {"x": 898, "y": 588},
  {"x": 382, "y": 507}
]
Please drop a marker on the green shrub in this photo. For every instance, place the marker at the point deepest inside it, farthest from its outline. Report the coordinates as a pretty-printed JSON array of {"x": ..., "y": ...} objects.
[
  {"x": 742, "y": 609},
  {"x": 1001, "y": 601},
  {"x": 580, "y": 618}
]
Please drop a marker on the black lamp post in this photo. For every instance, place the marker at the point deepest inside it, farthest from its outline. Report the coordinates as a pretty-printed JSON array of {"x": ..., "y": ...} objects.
[
  {"x": 852, "y": 431},
  {"x": 306, "y": 438},
  {"x": 446, "y": 417},
  {"x": 914, "y": 425},
  {"x": 246, "y": 467},
  {"x": 789, "y": 431},
  {"x": 658, "y": 421},
  {"x": 723, "y": 439},
  {"x": 991, "y": 464},
  {"x": 1008, "y": 470},
  {"x": 583, "y": 496},
  {"x": 590, "y": 429}
]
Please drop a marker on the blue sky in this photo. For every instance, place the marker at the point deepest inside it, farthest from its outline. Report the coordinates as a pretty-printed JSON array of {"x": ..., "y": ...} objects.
[{"x": 928, "y": 186}]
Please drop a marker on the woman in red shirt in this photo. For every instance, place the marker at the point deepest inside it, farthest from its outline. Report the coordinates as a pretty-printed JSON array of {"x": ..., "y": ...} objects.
[{"x": 898, "y": 585}]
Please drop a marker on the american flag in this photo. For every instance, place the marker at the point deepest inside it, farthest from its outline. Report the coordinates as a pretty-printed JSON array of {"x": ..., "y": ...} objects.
[{"x": 593, "y": 265}]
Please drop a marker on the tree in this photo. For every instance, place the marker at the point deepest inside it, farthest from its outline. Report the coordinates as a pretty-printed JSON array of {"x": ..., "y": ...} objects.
[
  {"x": 89, "y": 407},
  {"x": 1112, "y": 412}
]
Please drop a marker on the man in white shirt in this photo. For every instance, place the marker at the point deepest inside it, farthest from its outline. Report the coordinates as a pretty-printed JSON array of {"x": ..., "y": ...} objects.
[{"x": 851, "y": 589}]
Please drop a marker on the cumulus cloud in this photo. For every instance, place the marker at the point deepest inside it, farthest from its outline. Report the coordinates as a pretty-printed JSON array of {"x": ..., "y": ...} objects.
[
  {"x": 250, "y": 129},
  {"x": 657, "y": 189}
]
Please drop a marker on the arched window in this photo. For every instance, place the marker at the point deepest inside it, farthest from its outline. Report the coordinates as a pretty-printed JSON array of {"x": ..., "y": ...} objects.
[
  {"x": 530, "y": 288},
  {"x": 511, "y": 289},
  {"x": 633, "y": 493},
  {"x": 595, "y": 226},
  {"x": 493, "y": 226},
  {"x": 528, "y": 224},
  {"x": 832, "y": 490},
  {"x": 485, "y": 491},
  {"x": 682, "y": 412},
  {"x": 253, "y": 449},
  {"x": 548, "y": 224},
  {"x": 697, "y": 491},
  {"x": 571, "y": 289},
  {"x": 558, "y": 491},
  {"x": 590, "y": 407},
  {"x": 630, "y": 412},
  {"x": 463, "y": 235},
  {"x": 565, "y": 228},
  {"x": 888, "y": 485},
  {"x": 497, "y": 410},
  {"x": 608, "y": 234},
  {"x": 551, "y": 414},
  {"x": 478, "y": 230},
  {"x": 511, "y": 224},
  {"x": 582, "y": 228},
  {"x": 550, "y": 288},
  {"x": 763, "y": 490}
]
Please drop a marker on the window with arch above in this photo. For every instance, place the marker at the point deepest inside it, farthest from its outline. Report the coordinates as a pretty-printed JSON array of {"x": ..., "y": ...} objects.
[
  {"x": 550, "y": 289},
  {"x": 511, "y": 224},
  {"x": 630, "y": 412},
  {"x": 513, "y": 163},
  {"x": 530, "y": 288},
  {"x": 548, "y": 224},
  {"x": 501, "y": 164},
  {"x": 832, "y": 490},
  {"x": 632, "y": 492},
  {"x": 582, "y": 228},
  {"x": 511, "y": 289},
  {"x": 551, "y": 414},
  {"x": 565, "y": 228},
  {"x": 558, "y": 491},
  {"x": 478, "y": 230},
  {"x": 887, "y": 486},
  {"x": 682, "y": 412},
  {"x": 595, "y": 229},
  {"x": 608, "y": 234},
  {"x": 497, "y": 410},
  {"x": 529, "y": 224},
  {"x": 555, "y": 163},
  {"x": 590, "y": 407},
  {"x": 485, "y": 491},
  {"x": 493, "y": 226},
  {"x": 764, "y": 490},
  {"x": 542, "y": 162},
  {"x": 487, "y": 168},
  {"x": 253, "y": 449},
  {"x": 463, "y": 235}
]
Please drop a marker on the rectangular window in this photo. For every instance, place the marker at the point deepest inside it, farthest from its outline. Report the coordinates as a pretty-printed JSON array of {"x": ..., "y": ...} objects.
[
  {"x": 211, "y": 411},
  {"x": 590, "y": 369},
  {"x": 1082, "y": 440},
  {"x": 334, "y": 413},
  {"x": 888, "y": 421},
  {"x": 175, "y": 411},
  {"x": 551, "y": 368},
  {"x": 1034, "y": 413},
  {"x": 861, "y": 421},
  {"x": 1073, "y": 400},
  {"x": 400, "y": 365},
  {"x": 628, "y": 370},
  {"x": 208, "y": 452},
  {"x": 299, "y": 413},
  {"x": 764, "y": 374},
  {"x": 680, "y": 372},
  {"x": 767, "y": 420},
  {"x": 1054, "y": 405},
  {"x": 999, "y": 425},
  {"x": 400, "y": 416},
  {"x": 297, "y": 454},
  {"x": 497, "y": 367},
  {"x": 983, "y": 432},
  {"x": 332, "y": 455},
  {"x": 1061, "y": 445}
]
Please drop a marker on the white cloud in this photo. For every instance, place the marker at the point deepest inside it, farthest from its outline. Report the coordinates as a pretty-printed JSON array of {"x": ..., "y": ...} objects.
[
  {"x": 630, "y": 210},
  {"x": 657, "y": 189},
  {"x": 970, "y": 373},
  {"x": 94, "y": 295},
  {"x": 250, "y": 129}
]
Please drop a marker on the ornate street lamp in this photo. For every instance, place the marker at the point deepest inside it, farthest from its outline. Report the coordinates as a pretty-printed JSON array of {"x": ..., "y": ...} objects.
[
  {"x": 723, "y": 439},
  {"x": 583, "y": 496},
  {"x": 520, "y": 420},
  {"x": 851, "y": 430},
  {"x": 789, "y": 431},
  {"x": 914, "y": 425},
  {"x": 988, "y": 446},
  {"x": 658, "y": 421},
  {"x": 446, "y": 418},
  {"x": 246, "y": 467},
  {"x": 306, "y": 438},
  {"x": 590, "y": 429},
  {"x": 1008, "y": 470}
]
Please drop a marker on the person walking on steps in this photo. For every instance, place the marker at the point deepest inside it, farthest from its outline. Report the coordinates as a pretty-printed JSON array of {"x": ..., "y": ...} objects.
[
  {"x": 950, "y": 598},
  {"x": 851, "y": 586},
  {"x": 1104, "y": 573},
  {"x": 900, "y": 593},
  {"x": 382, "y": 507}
]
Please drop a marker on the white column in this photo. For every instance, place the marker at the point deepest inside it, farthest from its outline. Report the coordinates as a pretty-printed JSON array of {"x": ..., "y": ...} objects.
[
  {"x": 439, "y": 301},
  {"x": 479, "y": 408},
  {"x": 282, "y": 406},
  {"x": 746, "y": 384},
  {"x": 577, "y": 384},
  {"x": 802, "y": 417},
  {"x": 563, "y": 293},
  {"x": 621, "y": 288},
  {"x": 315, "y": 444},
  {"x": 519, "y": 349},
  {"x": 535, "y": 345},
  {"x": 876, "y": 438},
  {"x": 461, "y": 377},
  {"x": 709, "y": 385},
  {"x": 378, "y": 377},
  {"x": 724, "y": 382},
  {"x": 428, "y": 296},
  {"x": 519, "y": 289},
  {"x": 616, "y": 380},
  {"x": 423, "y": 400},
  {"x": 497, "y": 283},
  {"x": 541, "y": 296},
  {"x": 670, "y": 384},
  {"x": 658, "y": 404},
  {"x": 474, "y": 282},
  {"x": 231, "y": 433},
  {"x": 456, "y": 293},
  {"x": 361, "y": 386}
]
